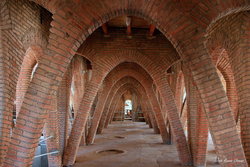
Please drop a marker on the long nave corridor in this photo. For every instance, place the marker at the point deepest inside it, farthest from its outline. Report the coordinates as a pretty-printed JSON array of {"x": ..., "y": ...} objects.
[{"x": 124, "y": 83}]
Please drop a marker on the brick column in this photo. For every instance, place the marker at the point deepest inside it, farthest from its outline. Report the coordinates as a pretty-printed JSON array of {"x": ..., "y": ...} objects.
[
  {"x": 63, "y": 110},
  {"x": 52, "y": 129},
  {"x": 152, "y": 118},
  {"x": 42, "y": 88},
  {"x": 97, "y": 116},
  {"x": 197, "y": 123},
  {"x": 173, "y": 117},
  {"x": 240, "y": 57},
  {"x": 79, "y": 123},
  {"x": 219, "y": 115},
  {"x": 159, "y": 116},
  {"x": 10, "y": 55}
]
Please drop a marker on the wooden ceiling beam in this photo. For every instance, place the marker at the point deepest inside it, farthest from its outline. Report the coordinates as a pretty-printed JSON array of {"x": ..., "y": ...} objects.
[
  {"x": 151, "y": 31},
  {"x": 105, "y": 30},
  {"x": 128, "y": 23}
]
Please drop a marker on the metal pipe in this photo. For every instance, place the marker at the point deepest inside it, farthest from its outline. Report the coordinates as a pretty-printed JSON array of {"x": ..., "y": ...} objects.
[
  {"x": 55, "y": 152},
  {"x": 45, "y": 139}
]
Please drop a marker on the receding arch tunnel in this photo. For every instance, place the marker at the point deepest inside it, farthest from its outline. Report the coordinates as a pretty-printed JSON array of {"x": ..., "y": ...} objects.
[{"x": 68, "y": 68}]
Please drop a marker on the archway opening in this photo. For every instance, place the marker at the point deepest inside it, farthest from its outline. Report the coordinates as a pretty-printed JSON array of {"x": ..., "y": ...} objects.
[{"x": 128, "y": 110}]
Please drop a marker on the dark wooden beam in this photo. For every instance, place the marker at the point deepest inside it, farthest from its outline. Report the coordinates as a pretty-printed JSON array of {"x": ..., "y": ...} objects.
[
  {"x": 105, "y": 30},
  {"x": 151, "y": 31},
  {"x": 128, "y": 23}
]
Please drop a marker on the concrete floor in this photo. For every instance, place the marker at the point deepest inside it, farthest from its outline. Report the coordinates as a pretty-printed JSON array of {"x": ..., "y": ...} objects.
[{"x": 142, "y": 148}]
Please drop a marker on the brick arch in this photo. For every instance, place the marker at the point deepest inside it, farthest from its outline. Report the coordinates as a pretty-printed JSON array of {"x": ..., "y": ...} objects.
[
  {"x": 48, "y": 75},
  {"x": 144, "y": 11},
  {"x": 137, "y": 88},
  {"x": 156, "y": 71},
  {"x": 201, "y": 67},
  {"x": 139, "y": 95},
  {"x": 108, "y": 83},
  {"x": 221, "y": 60},
  {"x": 119, "y": 72},
  {"x": 51, "y": 5},
  {"x": 108, "y": 10},
  {"x": 132, "y": 56},
  {"x": 230, "y": 8},
  {"x": 54, "y": 63},
  {"x": 225, "y": 36},
  {"x": 161, "y": 80},
  {"x": 89, "y": 15},
  {"x": 120, "y": 79},
  {"x": 111, "y": 79},
  {"x": 31, "y": 57},
  {"x": 104, "y": 62},
  {"x": 110, "y": 103},
  {"x": 37, "y": 100},
  {"x": 115, "y": 76},
  {"x": 146, "y": 109},
  {"x": 217, "y": 34},
  {"x": 237, "y": 38},
  {"x": 231, "y": 89}
]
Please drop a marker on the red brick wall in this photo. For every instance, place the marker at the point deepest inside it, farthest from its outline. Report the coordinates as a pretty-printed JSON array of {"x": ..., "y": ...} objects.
[
  {"x": 230, "y": 34},
  {"x": 184, "y": 24},
  {"x": 18, "y": 18}
]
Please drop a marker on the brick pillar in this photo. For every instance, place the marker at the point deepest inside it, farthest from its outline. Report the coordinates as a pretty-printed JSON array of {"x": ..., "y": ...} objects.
[
  {"x": 103, "y": 119},
  {"x": 97, "y": 116},
  {"x": 134, "y": 108},
  {"x": 52, "y": 129},
  {"x": 159, "y": 116},
  {"x": 240, "y": 58},
  {"x": 111, "y": 111},
  {"x": 192, "y": 109},
  {"x": 219, "y": 115},
  {"x": 173, "y": 117},
  {"x": 197, "y": 124},
  {"x": 201, "y": 137},
  {"x": 230, "y": 88},
  {"x": 145, "y": 111},
  {"x": 152, "y": 118},
  {"x": 10, "y": 53},
  {"x": 42, "y": 88},
  {"x": 79, "y": 123},
  {"x": 63, "y": 110}
]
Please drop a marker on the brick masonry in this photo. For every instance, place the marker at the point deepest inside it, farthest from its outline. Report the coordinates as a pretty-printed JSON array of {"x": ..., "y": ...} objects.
[{"x": 202, "y": 37}]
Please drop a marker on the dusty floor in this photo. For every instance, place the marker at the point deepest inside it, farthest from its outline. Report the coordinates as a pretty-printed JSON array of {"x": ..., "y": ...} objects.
[{"x": 142, "y": 148}]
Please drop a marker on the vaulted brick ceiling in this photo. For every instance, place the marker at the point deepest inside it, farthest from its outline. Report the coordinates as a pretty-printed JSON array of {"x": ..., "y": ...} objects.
[{"x": 104, "y": 48}]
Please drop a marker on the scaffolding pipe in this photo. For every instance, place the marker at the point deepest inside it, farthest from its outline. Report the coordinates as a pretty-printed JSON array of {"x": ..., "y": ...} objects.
[
  {"x": 54, "y": 152},
  {"x": 45, "y": 139}
]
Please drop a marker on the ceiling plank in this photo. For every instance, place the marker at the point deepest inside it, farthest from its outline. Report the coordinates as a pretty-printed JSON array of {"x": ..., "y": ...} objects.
[
  {"x": 151, "y": 30},
  {"x": 128, "y": 23},
  {"x": 105, "y": 30}
]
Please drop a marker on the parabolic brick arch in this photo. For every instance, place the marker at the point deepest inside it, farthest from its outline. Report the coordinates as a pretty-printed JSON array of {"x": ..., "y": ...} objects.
[{"x": 67, "y": 68}]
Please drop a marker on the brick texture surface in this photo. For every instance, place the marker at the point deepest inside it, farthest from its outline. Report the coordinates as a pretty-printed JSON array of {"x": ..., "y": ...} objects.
[{"x": 53, "y": 56}]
